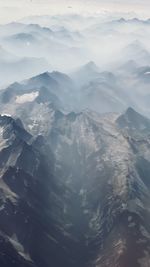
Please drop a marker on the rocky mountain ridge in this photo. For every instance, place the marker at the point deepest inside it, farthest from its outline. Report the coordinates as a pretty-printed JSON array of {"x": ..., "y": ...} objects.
[{"x": 82, "y": 189}]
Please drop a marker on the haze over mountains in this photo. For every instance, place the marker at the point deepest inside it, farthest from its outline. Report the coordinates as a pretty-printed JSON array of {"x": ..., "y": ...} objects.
[
  {"x": 78, "y": 38},
  {"x": 75, "y": 142}
]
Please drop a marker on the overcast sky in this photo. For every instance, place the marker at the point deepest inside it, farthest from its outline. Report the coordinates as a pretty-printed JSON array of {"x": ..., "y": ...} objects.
[{"x": 16, "y": 9}]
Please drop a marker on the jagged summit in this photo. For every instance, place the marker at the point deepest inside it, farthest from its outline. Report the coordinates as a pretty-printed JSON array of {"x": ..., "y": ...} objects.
[
  {"x": 10, "y": 126},
  {"x": 133, "y": 20},
  {"x": 122, "y": 20},
  {"x": 137, "y": 50},
  {"x": 129, "y": 66},
  {"x": 133, "y": 120},
  {"x": 86, "y": 73},
  {"x": 90, "y": 66},
  {"x": 48, "y": 77},
  {"x": 44, "y": 75}
]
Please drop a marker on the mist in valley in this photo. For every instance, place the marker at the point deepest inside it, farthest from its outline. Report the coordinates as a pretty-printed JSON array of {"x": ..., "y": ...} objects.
[{"x": 107, "y": 59}]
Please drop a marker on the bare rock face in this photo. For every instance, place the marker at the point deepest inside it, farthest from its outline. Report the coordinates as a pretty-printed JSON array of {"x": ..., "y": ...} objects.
[
  {"x": 77, "y": 195},
  {"x": 31, "y": 203}
]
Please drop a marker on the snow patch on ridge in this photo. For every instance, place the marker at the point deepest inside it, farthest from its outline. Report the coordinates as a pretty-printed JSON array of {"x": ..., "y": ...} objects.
[{"x": 27, "y": 97}]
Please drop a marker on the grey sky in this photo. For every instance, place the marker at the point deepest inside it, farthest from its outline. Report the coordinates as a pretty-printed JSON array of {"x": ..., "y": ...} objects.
[{"x": 16, "y": 9}]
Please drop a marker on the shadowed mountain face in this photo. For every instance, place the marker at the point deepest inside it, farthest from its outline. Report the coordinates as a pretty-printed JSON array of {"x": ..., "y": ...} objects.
[
  {"x": 33, "y": 228},
  {"x": 80, "y": 191}
]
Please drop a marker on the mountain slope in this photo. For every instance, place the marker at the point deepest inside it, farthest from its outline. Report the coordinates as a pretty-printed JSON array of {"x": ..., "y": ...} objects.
[
  {"x": 32, "y": 228},
  {"x": 104, "y": 165},
  {"x": 81, "y": 191}
]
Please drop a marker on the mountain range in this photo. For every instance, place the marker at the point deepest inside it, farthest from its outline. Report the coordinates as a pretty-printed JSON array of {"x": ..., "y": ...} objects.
[
  {"x": 75, "y": 142},
  {"x": 80, "y": 190}
]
